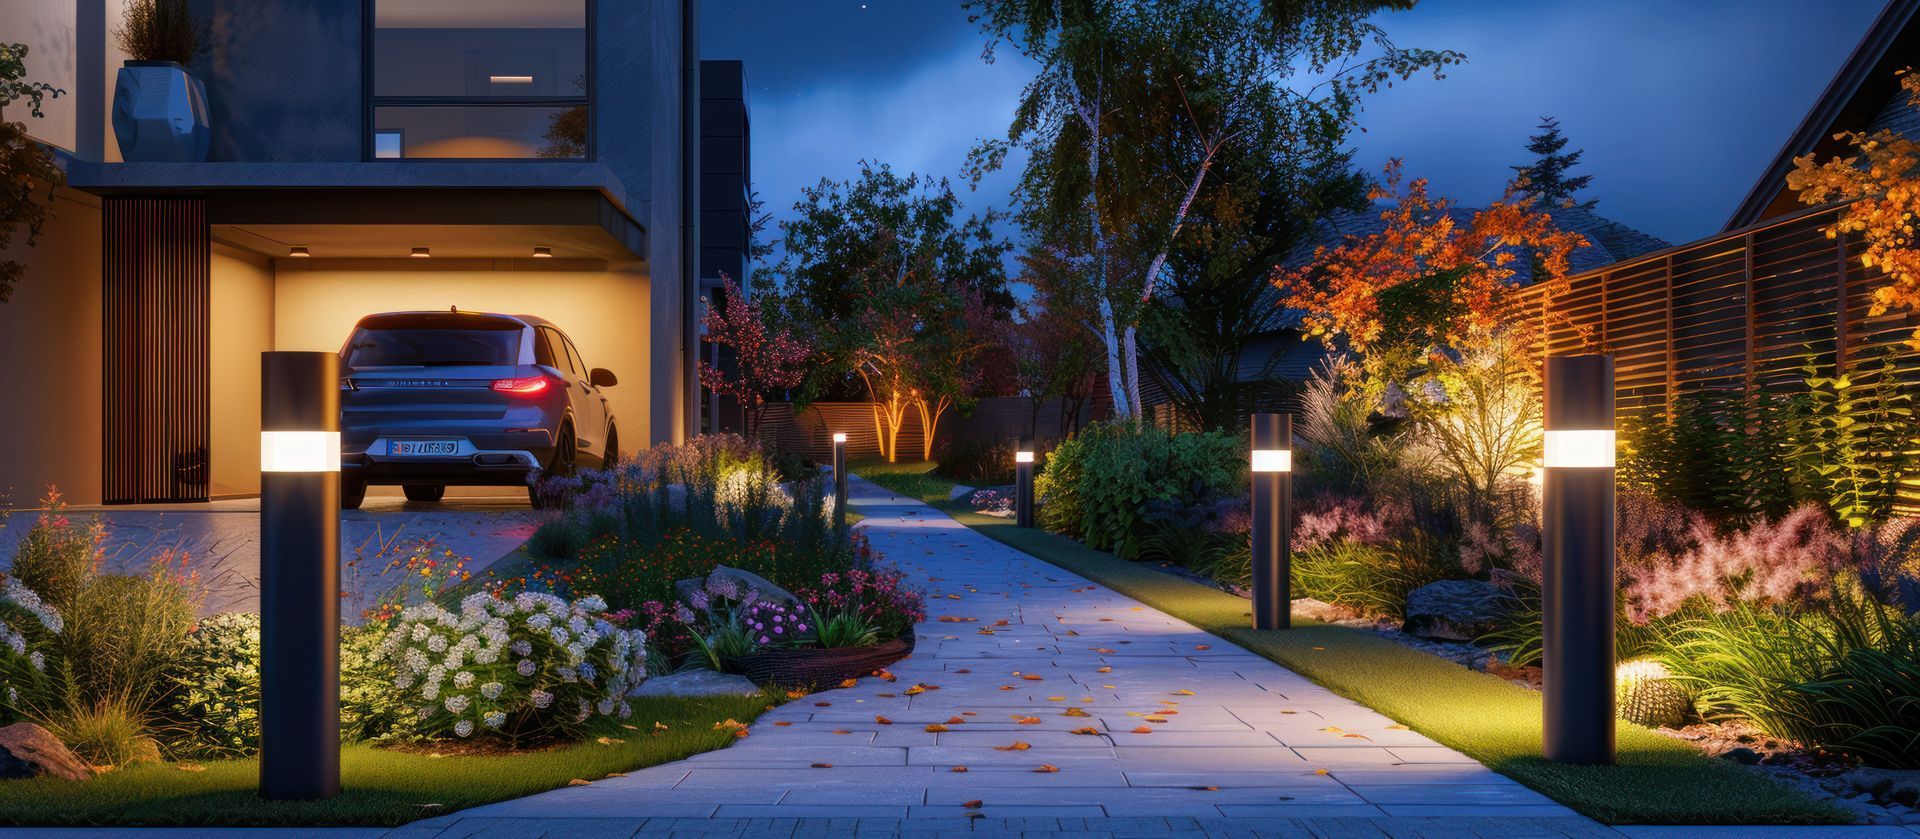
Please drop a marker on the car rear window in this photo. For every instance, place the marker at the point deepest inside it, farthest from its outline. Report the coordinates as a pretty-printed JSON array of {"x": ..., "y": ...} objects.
[{"x": 471, "y": 342}]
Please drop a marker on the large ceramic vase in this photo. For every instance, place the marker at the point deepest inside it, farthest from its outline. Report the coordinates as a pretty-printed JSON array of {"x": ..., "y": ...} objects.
[{"x": 160, "y": 113}]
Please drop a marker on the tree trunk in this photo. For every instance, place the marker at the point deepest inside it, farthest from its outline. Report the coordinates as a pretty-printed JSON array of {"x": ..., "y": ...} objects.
[
  {"x": 1116, "y": 382},
  {"x": 1133, "y": 372}
]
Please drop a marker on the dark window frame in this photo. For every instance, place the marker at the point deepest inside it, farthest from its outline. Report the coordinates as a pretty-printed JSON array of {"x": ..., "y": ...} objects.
[{"x": 369, "y": 103}]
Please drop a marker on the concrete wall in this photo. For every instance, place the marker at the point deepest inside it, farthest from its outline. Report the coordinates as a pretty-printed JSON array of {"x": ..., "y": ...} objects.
[
  {"x": 283, "y": 79},
  {"x": 50, "y": 380},
  {"x": 603, "y": 308},
  {"x": 655, "y": 109},
  {"x": 241, "y": 304},
  {"x": 46, "y": 27}
]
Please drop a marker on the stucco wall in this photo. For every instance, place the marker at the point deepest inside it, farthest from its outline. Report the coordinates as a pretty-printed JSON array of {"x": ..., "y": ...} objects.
[
  {"x": 603, "y": 308},
  {"x": 50, "y": 360},
  {"x": 46, "y": 28},
  {"x": 241, "y": 304}
]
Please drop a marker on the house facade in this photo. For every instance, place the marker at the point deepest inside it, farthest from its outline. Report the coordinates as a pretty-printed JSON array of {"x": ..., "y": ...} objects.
[{"x": 365, "y": 156}]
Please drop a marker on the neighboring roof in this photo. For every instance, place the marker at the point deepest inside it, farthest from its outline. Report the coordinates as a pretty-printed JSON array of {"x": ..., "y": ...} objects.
[
  {"x": 1861, "y": 95},
  {"x": 1608, "y": 241}
]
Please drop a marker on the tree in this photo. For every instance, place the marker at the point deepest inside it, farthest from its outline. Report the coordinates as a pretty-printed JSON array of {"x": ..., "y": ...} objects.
[
  {"x": 1122, "y": 81},
  {"x": 26, "y": 166},
  {"x": 1881, "y": 182},
  {"x": 1426, "y": 278},
  {"x": 769, "y": 359},
  {"x": 1545, "y": 182}
]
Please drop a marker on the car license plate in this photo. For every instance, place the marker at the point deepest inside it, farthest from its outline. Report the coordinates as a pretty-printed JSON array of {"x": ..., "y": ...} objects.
[{"x": 418, "y": 448}]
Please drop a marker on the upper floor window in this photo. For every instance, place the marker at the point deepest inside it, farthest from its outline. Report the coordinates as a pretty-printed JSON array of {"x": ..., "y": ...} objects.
[{"x": 480, "y": 79}]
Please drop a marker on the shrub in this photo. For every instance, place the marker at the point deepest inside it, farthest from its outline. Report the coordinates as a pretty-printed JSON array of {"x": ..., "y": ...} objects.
[
  {"x": 1867, "y": 705},
  {"x": 369, "y": 703},
  {"x": 1096, "y": 484},
  {"x": 28, "y": 626},
  {"x": 559, "y": 538},
  {"x": 1785, "y": 561},
  {"x": 56, "y": 558},
  {"x": 1372, "y": 579},
  {"x": 527, "y": 667},
  {"x": 977, "y": 462},
  {"x": 124, "y": 632},
  {"x": 214, "y": 707},
  {"x": 107, "y": 732}
]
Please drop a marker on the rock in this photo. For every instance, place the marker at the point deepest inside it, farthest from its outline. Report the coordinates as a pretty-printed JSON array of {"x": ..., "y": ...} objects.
[
  {"x": 1320, "y": 610},
  {"x": 744, "y": 580},
  {"x": 1455, "y": 610},
  {"x": 958, "y": 492},
  {"x": 1900, "y": 785},
  {"x": 1742, "y": 754},
  {"x": 696, "y": 683},
  {"x": 29, "y": 751}
]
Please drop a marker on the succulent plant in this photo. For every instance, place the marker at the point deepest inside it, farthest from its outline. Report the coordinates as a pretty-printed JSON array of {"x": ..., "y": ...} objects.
[{"x": 1646, "y": 693}]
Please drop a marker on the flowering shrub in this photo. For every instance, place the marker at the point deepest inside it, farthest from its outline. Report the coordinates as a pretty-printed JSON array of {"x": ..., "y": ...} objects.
[
  {"x": 876, "y": 597},
  {"x": 216, "y": 687},
  {"x": 1790, "y": 560},
  {"x": 1345, "y": 517},
  {"x": 25, "y": 623},
  {"x": 527, "y": 666},
  {"x": 989, "y": 502}
]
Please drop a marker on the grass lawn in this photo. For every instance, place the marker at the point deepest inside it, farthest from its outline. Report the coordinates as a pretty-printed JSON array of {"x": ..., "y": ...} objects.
[
  {"x": 381, "y": 786},
  {"x": 1658, "y": 780},
  {"x": 912, "y": 478}
]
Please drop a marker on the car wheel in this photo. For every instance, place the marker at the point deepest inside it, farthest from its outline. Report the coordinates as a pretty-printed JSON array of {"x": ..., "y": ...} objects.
[
  {"x": 352, "y": 493},
  {"x": 561, "y": 466},
  {"x": 610, "y": 453},
  {"x": 426, "y": 492}
]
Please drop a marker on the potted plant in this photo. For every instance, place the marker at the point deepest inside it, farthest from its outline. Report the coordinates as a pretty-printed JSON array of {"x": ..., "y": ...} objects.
[{"x": 159, "y": 110}]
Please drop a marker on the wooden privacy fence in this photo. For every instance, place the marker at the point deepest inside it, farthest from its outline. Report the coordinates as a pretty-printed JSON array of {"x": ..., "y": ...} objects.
[{"x": 810, "y": 432}]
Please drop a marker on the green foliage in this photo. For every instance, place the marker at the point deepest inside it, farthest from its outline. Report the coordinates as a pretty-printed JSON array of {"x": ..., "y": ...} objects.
[
  {"x": 559, "y": 538},
  {"x": 1868, "y": 705},
  {"x": 978, "y": 462},
  {"x": 1645, "y": 693},
  {"x": 369, "y": 703},
  {"x": 844, "y": 628},
  {"x": 1373, "y": 580},
  {"x": 1096, "y": 484},
  {"x": 215, "y": 698},
  {"x": 1852, "y": 440},
  {"x": 123, "y": 634},
  {"x": 1545, "y": 181},
  {"x": 56, "y": 558},
  {"x": 161, "y": 30},
  {"x": 111, "y": 731},
  {"x": 25, "y": 165}
]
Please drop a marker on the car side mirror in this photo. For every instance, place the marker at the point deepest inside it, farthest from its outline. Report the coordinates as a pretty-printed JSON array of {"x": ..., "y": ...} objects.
[{"x": 602, "y": 377}]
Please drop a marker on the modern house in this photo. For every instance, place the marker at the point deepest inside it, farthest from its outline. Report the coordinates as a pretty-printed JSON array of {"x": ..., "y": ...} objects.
[
  {"x": 726, "y": 213},
  {"x": 365, "y": 156}
]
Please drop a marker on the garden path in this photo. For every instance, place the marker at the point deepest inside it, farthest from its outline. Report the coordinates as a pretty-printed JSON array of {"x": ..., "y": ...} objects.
[{"x": 1184, "y": 732}]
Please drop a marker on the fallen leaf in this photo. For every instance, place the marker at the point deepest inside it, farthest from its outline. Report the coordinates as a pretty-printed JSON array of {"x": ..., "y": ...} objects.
[
  {"x": 1203, "y": 646},
  {"x": 950, "y": 596},
  {"x": 1033, "y": 677},
  {"x": 1145, "y": 729},
  {"x": 964, "y": 670},
  {"x": 1205, "y": 789},
  {"x": 1357, "y": 736},
  {"x": 971, "y": 804},
  {"x": 1183, "y": 692},
  {"x": 1075, "y": 712},
  {"x": 849, "y": 683},
  {"x": 885, "y": 676},
  {"x": 984, "y": 631},
  {"x": 578, "y": 782},
  {"x": 823, "y": 766},
  {"x": 796, "y": 694},
  {"x": 1016, "y": 746},
  {"x": 1047, "y": 767},
  {"x": 916, "y": 690},
  {"x": 956, "y": 720},
  {"x": 1026, "y": 720},
  {"x": 1104, "y": 650},
  {"x": 1000, "y": 622},
  {"x": 1319, "y": 771},
  {"x": 841, "y": 731},
  {"x": 782, "y": 723},
  {"x": 1396, "y": 727},
  {"x": 608, "y": 741},
  {"x": 1105, "y": 670},
  {"x": 616, "y": 774},
  {"x": 822, "y": 704},
  {"x": 958, "y": 769},
  {"x": 1086, "y": 730},
  {"x": 1056, "y": 699},
  {"x": 935, "y": 728},
  {"x": 1006, "y": 687},
  {"x": 883, "y": 720}
]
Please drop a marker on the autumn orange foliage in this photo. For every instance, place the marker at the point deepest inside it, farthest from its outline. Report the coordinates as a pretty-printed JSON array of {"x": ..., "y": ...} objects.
[
  {"x": 1882, "y": 180},
  {"x": 1339, "y": 288}
]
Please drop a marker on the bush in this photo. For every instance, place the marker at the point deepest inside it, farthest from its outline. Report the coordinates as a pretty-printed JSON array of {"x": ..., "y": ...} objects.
[
  {"x": 977, "y": 462},
  {"x": 28, "y": 627},
  {"x": 214, "y": 709},
  {"x": 107, "y": 732},
  {"x": 559, "y": 538},
  {"x": 124, "y": 633},
  {"x": 56, "y": 558},
  {"x": 369, "y": 703},
  {"x": 1095, "y": 485},
  {"x": 1370, "y": 579},
  {"x": 530, "y": 667}
]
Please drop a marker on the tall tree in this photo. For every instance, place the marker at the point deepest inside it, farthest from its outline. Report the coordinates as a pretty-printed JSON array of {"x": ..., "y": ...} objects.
[
  {"x": 1121, "y": 81},
  {"x": 1545, "y": 181}
]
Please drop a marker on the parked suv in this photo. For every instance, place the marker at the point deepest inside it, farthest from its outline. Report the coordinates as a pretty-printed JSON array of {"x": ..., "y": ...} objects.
[{"x": 429, "y": 399}]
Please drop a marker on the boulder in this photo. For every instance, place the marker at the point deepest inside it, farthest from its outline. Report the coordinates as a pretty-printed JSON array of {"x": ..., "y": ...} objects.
[
  {"x": 29, "y": 751},
  {"x": 696, "y": 683},
  {"x": 1455, "y": 610},
  {"x": 744, "y": 580},
  {"x": 958, "y": 492}
]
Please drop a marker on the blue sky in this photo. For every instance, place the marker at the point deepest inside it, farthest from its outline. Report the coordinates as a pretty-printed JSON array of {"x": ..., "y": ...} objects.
[{"x": 1678, "y": 103}]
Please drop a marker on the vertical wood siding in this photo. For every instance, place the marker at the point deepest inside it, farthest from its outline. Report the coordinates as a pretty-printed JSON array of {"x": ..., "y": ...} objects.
[{"x": 155, "y": 360}]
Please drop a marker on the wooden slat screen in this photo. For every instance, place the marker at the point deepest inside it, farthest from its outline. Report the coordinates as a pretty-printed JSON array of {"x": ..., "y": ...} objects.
[{"x": 155, "y": 362}]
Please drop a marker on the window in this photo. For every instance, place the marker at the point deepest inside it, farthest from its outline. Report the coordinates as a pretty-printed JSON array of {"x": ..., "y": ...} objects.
[
  {"x": 579, "y": 367},
  {"x": 562, "y": 362},
  {"x": 487, "y": 79},
  {"x": 542, "y": 350}
]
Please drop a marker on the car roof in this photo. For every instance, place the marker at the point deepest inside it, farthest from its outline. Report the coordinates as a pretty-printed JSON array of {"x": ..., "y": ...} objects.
[{"x": 449, "y": 318}]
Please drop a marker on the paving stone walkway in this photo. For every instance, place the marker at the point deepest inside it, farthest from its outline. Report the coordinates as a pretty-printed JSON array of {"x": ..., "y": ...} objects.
[{"x": 1037, "y": 701}]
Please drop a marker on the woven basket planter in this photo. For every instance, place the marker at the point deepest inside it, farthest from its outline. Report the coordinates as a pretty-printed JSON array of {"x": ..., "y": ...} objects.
[{"x": 819, "y": 668}]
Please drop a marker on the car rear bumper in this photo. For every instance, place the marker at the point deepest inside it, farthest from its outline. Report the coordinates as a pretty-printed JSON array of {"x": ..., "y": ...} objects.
[{"x": 499, "y": 459}]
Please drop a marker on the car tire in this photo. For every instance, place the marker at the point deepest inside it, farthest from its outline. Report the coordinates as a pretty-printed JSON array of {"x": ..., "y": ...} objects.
[
  {"x": 425, "y": 492},
  {"x": 559, "y": 466},
  {"x": 610, "y": 453},
  {"x": 352, "y": 493}
]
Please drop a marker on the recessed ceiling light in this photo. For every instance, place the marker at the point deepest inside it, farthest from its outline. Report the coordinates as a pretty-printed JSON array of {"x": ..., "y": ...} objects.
[
  {"x": 542, "y": 252},
  {"x": 422, "y": 253},
  {"x": 500, "y": 79},
  {"x": 299, "y": 251}
]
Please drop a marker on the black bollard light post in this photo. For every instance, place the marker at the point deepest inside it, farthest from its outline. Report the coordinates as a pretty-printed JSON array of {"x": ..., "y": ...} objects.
[
  {"x": 839, "y": 479},
  {"x": 1577, "y": 529},
  {"x": 299, "y": 575},
  {"x": 1023, "y": 483},
  {"x": 1272, "y": 473}
]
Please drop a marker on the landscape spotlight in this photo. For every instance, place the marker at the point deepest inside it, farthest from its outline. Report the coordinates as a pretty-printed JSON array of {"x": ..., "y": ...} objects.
[
  {"x": 839, "y": 479},
  {"x": 1023, "y": 484},
  {"x": 1272, "y": 467},
  {"x": 299, "y": 575},
  {"x": 1577, "y": 593}
]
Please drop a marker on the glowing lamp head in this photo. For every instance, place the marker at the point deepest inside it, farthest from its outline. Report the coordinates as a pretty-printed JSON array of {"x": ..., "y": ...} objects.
[
  {"x": 299, "y": 451},
  {"x": 1579, "y": 449},
  {"x": 839, "y": 436},
  {"x": 1273, "y": 460},
  {"x": 1023, "y": 457}
]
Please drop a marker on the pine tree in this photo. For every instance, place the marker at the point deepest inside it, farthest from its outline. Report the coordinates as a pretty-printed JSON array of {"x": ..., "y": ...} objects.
[{"x": 1546, "y": 181}]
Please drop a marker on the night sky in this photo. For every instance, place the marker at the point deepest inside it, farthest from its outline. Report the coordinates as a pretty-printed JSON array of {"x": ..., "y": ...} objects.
[{"x": 1679, "y": 104}]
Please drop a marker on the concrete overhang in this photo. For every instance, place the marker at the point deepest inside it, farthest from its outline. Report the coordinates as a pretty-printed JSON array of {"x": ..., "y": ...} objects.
[{"x": 383, "y": 209}]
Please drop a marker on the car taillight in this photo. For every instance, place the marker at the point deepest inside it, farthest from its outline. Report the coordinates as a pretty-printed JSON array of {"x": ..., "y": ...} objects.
[{"x": 529, "y": 386}]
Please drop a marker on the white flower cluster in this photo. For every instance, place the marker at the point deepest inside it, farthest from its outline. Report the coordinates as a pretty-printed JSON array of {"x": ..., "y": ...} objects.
[
  {"x": 16, "y": 598},
  {"x": 502, "y": 660}
]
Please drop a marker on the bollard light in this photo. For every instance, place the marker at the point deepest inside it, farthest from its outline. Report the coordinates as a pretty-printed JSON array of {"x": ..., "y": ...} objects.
[
  {"x": 299, "y": 575},
  {"x": 1577, "y": 528},
  {"x": 1023, "y": 484},
  {"x": 1272, "y": 468},
  {"x": 839, "y": 479}
]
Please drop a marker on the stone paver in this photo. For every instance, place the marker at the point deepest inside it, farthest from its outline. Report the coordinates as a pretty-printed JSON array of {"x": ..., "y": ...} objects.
[{"x": 1128, "y": 718}]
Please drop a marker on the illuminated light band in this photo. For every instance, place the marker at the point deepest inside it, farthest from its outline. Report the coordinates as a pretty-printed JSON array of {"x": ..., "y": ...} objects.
[
  {"x": 1273, "y": 460},
  {"x": 1023, "y": 457},
  {"x": 1591, "y": 449},
  {"x": 299, "y": 451},
  {"x": 839, "y": 437}
]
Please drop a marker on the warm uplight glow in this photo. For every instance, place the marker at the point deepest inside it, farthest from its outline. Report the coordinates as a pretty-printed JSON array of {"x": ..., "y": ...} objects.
[
  {"x": 839, "y": 436},
  {"x": 542, "y": 252},
  {"x": 1023, "y": 457},
  {"x": 1579, "y": 449},
  {"x": 1273, "y": 460},
  {"x": 299, "y": 251},
  {"x": 498, "y": 79},
  {"x": 299, "y": 451},
  {"x": 421, "y": 253},
  {"x": 528, "y": 386}
]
